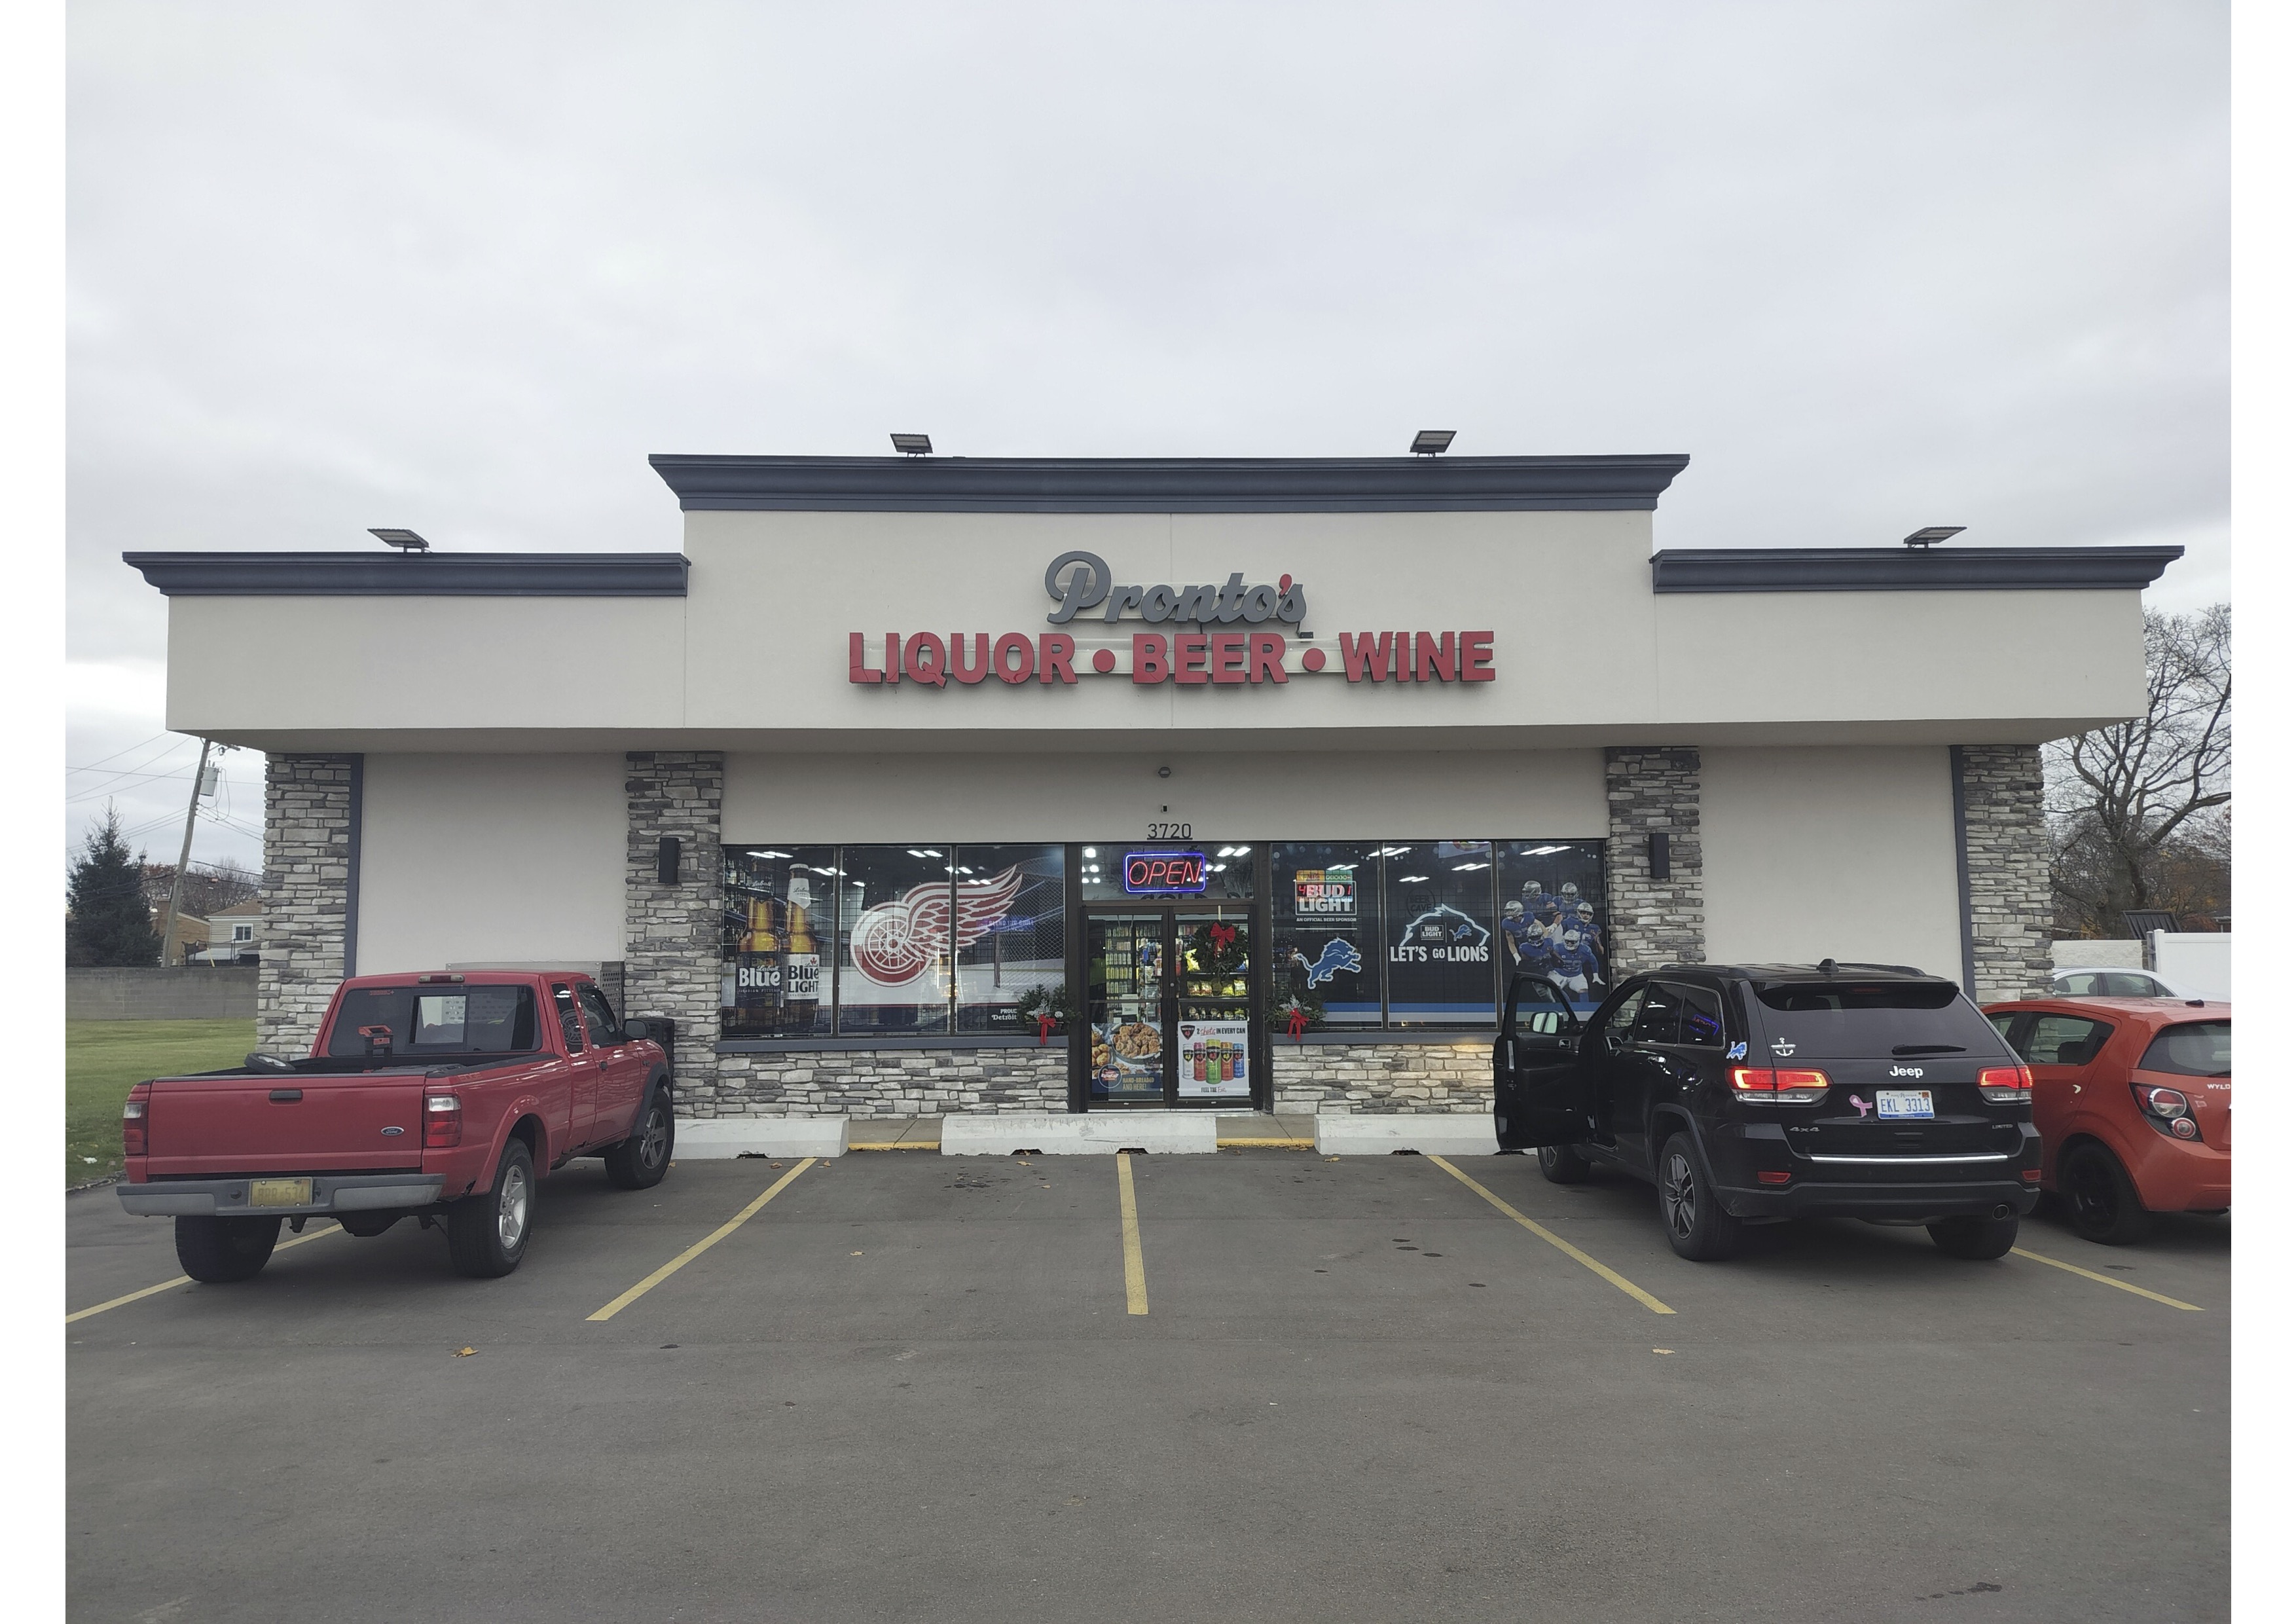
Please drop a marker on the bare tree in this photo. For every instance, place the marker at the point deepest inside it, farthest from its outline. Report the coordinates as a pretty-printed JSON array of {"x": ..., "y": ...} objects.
[{"x": 2139, "y": 811}]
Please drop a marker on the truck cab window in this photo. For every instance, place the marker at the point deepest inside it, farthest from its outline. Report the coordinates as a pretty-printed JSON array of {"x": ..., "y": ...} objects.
[
  {"x": 570, "y": 1019},
  {"x": 604, "y": 1029}
]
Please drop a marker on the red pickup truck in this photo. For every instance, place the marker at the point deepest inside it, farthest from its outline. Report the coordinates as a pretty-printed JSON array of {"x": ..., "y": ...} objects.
[{"x": 442, "y": 1096}]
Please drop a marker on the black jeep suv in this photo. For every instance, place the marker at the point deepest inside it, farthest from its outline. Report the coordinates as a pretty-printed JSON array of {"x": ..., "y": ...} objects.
[{"x": 1758, "y": 1093}]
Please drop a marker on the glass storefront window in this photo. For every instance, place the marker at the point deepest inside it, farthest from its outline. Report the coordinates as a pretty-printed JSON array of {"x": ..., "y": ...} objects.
[
  {"x": 1167, "y": 871},
  {"x": 1553, "y": 917},
  {"x": 775, "y": 977},
  {"x": 1438, "y": 933},
  {"x": 1011, "y": 935},
  {"x": 893, "y": 939},
  {"x": 1327, "y": 934}
]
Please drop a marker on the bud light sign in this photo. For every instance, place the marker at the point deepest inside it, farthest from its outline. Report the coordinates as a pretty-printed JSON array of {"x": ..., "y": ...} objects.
[{"x": 1156, "y": 873}]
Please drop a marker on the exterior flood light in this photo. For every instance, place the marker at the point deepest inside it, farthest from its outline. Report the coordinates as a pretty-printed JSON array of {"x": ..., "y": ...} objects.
[
  {"x": 912, "y": 444},
  {"x": 1431, "y": 442},
  {"x": 406, "y": 541},
  {"x": 1931, "y": 535}
]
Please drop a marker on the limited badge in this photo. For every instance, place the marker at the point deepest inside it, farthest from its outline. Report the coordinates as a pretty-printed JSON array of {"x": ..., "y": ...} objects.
[{"x": 1737, "y": 1051}]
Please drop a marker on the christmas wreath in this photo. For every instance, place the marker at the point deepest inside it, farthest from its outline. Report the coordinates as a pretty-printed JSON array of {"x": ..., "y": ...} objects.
[{"x": 1216, "y": 949}]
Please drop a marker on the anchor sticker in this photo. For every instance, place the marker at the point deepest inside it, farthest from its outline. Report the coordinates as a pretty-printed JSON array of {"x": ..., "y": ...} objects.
[{"x": 1780, "y": 1048}]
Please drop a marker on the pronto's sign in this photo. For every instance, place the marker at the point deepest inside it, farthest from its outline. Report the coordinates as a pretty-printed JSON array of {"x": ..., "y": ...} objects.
[{"x": 1197, "y": 653}]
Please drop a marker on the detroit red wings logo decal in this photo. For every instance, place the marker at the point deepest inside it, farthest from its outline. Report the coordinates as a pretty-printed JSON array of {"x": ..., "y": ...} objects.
[{"x": 895, "y": 942}]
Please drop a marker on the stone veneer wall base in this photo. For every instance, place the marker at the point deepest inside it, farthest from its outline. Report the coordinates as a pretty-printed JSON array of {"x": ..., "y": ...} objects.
[{"x": 670, "y": 961}]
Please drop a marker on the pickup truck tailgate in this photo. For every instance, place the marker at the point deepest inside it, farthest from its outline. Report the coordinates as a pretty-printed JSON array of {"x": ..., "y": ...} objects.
[{"x": 286, "y": 1123}]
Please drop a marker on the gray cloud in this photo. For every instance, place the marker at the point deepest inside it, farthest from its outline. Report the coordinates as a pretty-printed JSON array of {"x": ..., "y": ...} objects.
[{"x": 460, "y": 268}]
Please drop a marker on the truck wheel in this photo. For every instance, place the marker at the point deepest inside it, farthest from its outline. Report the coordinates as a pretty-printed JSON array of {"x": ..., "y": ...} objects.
[
  {"x": 1696, "y": 1227},
  {"x": 486, "y": 1234},
  {"x": 1975, "y": 1238},
  {"x": 2098, "y": 1197},
  {"x": 218, "y": 1250},
  {"x": 639, "y": 1161},
  {"x": 1563, "y": 1164}
]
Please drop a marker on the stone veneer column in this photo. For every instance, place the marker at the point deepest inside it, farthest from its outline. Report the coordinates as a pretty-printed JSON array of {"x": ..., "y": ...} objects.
[
  {"x": 2005, "y": 870},
  {"x": 1654, "y": 921},
  {"x": 310, "y": 815},
  {"x": 671, "y": 963}
]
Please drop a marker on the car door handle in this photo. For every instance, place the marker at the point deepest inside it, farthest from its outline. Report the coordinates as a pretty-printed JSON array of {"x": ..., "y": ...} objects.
[{"x": 602, "y": 1065}]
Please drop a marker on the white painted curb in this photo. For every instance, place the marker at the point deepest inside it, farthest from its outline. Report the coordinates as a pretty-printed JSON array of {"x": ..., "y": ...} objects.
[
  {"x": 1091, "y": 1134},
  {"x": 721, "y": 1138},
  {"x": 1429, "y": 1135}
]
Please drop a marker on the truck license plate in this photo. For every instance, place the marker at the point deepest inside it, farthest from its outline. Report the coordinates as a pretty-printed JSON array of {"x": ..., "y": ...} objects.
[
  {"x": 285, "y": 1192},
  {"x": 1904, "y": 1102}
]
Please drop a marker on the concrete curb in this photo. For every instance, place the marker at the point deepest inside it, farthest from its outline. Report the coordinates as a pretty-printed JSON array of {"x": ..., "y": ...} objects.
[
  {"x": 1444, "y": 1136},
  {"x": 723, "y": 1138},
  {"x": 1093, "y": 1134}
]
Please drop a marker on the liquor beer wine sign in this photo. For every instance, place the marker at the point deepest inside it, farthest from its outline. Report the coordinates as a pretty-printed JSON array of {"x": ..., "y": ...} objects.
[{"x": 1198, "y": 650}]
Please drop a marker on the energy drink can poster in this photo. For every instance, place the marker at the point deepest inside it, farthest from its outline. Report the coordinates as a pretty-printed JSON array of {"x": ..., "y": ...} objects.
[{"x": 1214, "y": 1060}]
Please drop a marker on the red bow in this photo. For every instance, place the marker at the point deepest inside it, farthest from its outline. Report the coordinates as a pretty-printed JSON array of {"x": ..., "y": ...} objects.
[
  {"x": 1043, "y": 1028},
  {"x": 1223, "y": 936},
  {"x": 1297, "y": 1025}
]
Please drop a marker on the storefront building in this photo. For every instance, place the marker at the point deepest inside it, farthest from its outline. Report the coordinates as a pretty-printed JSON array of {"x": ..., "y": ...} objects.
[{"x": 912, "y": 786}]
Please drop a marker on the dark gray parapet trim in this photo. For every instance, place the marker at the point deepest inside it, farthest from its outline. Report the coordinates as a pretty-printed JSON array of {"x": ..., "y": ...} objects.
[
  {"x": 1166, "y": 485},
  {"x": 420, "y": 575},
  {"x": 1908, "y": 570}
]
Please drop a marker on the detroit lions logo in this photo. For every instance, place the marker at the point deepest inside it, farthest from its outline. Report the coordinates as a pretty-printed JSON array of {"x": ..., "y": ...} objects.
[{"x": 1337, "y": 955}]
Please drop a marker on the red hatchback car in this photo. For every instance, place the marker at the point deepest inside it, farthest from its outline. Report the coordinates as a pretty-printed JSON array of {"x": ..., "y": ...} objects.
[{"x": 2133, "y": 1099}]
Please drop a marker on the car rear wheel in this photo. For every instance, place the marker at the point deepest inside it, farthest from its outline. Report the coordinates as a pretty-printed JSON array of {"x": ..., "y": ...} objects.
[
  {"x": 639, "y": 1161},
  {"x": 1975, "y": 1238},
  {"x": 486, "y": 1234},
  {"x": 1696, "y": 1227},
  {"x": 2100, "y": 1199},
  {"x": 1563, "y": 1164},
  {"x": 217, "y": 1250}
]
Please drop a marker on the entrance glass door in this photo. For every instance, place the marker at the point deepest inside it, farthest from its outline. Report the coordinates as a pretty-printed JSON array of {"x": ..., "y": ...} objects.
[
  {"x": 1213, "y": 1049},
  {"x": 1167, "y": 998},
  {"x": 1125, "y": 959}
]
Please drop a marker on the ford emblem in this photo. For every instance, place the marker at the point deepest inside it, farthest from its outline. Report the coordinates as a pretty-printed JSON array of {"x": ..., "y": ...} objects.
[{"x": 389, "y": 1133}]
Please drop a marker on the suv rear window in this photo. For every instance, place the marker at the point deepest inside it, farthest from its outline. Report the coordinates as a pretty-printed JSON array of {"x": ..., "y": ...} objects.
[
  {"x": 1851, "y": 1020},
  {"x": 438, "y": 1019},
  {"x": 2193, "y": 1048}
]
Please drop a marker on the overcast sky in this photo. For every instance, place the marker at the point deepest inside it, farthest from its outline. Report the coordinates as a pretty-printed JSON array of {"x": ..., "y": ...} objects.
[{"x": 462, "y": 267}]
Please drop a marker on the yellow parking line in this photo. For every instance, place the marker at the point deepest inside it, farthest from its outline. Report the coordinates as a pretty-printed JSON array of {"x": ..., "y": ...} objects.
[
  {"x": 153, "y": 1290},
  {"x": 1135, "y": 1272},
  {"x": 699, "y": 1246},
  {"x": 1558, "y": 1242},
  {"x": 2192, "y": 1308}
]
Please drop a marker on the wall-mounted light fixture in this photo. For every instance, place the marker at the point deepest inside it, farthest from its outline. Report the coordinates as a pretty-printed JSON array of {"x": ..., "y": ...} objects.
[
  {"x": 1661, "y": 857},
  {"x": 665, "y": 860}
]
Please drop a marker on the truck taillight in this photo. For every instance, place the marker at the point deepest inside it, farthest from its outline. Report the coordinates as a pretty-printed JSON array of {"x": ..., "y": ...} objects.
[
  {"x": 2006, "y": 1085},
  {"x": 132, "y": 1119},
  {"x": 442, "y": 1121},
  {"x": 1779, "y": 1086}
]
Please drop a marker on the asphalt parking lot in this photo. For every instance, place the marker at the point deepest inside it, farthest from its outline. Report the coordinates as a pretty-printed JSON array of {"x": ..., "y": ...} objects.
[{"x": 913, "y": 1386}]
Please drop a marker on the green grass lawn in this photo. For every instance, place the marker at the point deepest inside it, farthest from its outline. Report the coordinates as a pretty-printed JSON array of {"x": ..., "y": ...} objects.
[{"x": 104, "y": 1059}]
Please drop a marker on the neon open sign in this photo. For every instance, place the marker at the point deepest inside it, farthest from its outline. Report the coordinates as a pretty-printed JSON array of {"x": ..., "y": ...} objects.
[{"x": 1146, "y": 871}]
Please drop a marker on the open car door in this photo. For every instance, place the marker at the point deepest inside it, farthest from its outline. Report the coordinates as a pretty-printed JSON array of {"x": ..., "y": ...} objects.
[{"x": 1540, "y": 1086}]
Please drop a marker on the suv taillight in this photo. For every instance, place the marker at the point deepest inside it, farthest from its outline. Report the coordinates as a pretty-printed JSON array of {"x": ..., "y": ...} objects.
[
  {"x": 1778, "y": 1085},
  {"x": 442, "y": 1121},
  {"x": 2006, "y": 1084},
  {"x": 132, "y": 1119}
]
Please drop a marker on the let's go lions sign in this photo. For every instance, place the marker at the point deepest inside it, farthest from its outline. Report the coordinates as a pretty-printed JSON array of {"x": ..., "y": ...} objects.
[{"x": 1199, "y": 650}]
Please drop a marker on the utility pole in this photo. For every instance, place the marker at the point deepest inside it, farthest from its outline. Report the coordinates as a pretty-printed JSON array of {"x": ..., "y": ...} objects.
[{"x": 184, "y": 858}]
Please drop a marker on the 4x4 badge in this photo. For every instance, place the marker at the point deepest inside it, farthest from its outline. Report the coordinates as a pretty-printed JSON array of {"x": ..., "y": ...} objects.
[
  {"x": 1780, "y": 1048},
  {"x": 1737, "y": 1051}
]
